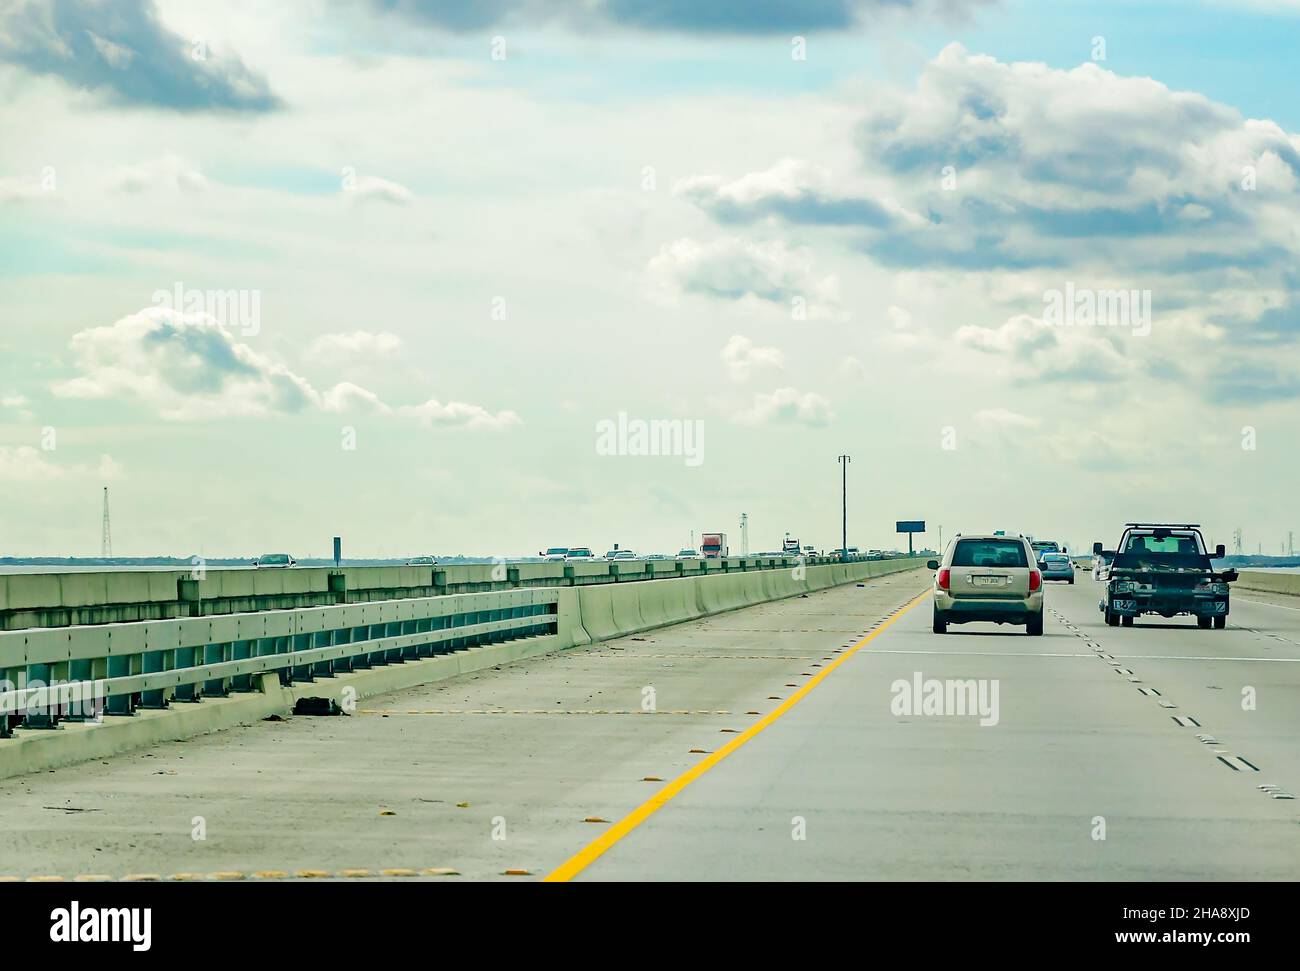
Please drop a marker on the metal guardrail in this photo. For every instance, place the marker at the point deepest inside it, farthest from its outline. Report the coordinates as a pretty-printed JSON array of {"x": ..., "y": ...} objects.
[{"x": 48, "y": 675}]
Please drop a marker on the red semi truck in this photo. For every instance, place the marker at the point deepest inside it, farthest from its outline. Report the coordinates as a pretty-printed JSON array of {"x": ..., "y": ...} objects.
[{"x": 713, "y": 546}]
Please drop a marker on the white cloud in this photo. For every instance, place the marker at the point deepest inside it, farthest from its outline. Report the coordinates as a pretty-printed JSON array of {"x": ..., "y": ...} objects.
[
  {"x": 346, "y": 348},
  {"x": 189, "y": 367},
  {"x": 26, "y": 464},
  {"x": 13, "y": 189},
  {"x": 853, "y": 369},
  {"x": 1002, "y": 418},
  {"x": 1048, "y": 167},
  {"x": 731, "y": 268},
  {"x": 786, "y": 405},
  {"x": 433, "y": 412},
  {"x": 742, "y": 358},
  {"x": 798, "y": 190},
  {"x": 371, "y": 188},
  {"x": 1030, "y": 350},
  {"x": 166, "y": 172}
]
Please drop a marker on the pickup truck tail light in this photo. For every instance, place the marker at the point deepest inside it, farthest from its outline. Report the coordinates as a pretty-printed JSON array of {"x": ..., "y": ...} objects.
[
  {"x": 944, "y": 578},
  {"x": 1035, "y": 580}
]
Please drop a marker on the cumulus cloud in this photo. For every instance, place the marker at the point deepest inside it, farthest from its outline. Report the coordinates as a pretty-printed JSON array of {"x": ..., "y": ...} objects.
[
  {"x": 123, "y": 50},
  {"x": 1001, "y": 418},
  {"x": 17, "y": 189},
  {"x": 674, "y": 16},
  {"x": 167, "y": 172},
  {"x": 732, "y": 268},
  {"x": 742, "y": 358},
  {"x": 349, "y": 347},
  {"x": 433, "y": 412},
  {"x": 371, "y": 188},
  {"x": 190, "y": 367},
  {"x": 786, "y": 405},
  {"x": 27, "y": 464},
  {"x": 1031, "y": 350},
  {"x": 852, "y": 369},
  {"x": 987, "y": 165},
  {"x": 792, "y": 189}
]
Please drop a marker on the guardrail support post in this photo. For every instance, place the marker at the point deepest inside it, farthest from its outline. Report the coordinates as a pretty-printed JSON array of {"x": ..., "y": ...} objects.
[
  {"x": 44, "y": 717},
  {"x": 187, "y": 657},
  {"x": 120, "y": 667},
  {"x": 188, "y": 597},
  {"x": 153, "y": 662}
]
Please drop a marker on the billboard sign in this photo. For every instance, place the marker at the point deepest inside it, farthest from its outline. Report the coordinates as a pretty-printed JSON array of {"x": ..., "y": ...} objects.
[{"x": 911, "y": 526}]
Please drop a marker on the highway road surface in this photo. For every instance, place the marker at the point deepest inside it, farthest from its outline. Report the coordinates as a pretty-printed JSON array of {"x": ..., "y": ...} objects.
[{"x": 779, "y": 746}]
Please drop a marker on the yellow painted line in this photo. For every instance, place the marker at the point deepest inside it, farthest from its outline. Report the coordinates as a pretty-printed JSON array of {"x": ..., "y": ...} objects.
[{"x": 588, "y": 855}]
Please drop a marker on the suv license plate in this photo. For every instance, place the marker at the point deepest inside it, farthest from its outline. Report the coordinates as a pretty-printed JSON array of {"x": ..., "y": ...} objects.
[{"x": 988, "y": 581}]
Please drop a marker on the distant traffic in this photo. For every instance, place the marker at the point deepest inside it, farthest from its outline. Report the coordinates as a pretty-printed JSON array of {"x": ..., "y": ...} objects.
[{"x": 1164, "y": 569}]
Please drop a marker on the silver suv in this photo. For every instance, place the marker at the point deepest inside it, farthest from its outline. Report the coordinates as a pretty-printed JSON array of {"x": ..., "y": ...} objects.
[{"x": 989, "y": 578}]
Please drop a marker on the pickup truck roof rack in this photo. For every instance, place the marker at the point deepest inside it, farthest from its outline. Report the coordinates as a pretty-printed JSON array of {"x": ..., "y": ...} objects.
[{"x": 1167, "y": 525}]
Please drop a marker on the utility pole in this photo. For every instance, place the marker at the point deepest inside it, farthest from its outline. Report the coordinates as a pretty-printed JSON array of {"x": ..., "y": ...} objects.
[
  {"x": 106, "y": 539},
  {"x": 844, "y": 461},
  {"x": 744, "y": 534},
  {"x": 941, "y": 539}
]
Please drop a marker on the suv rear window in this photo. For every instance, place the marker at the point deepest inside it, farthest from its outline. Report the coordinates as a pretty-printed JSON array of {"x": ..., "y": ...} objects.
[{"x": 989, "y": 552}]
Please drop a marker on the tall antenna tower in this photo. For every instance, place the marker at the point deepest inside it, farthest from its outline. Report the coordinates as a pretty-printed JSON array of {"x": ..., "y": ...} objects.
[
  {"x": 106, "y": 542},
  {"x": 744, "y": 534}
]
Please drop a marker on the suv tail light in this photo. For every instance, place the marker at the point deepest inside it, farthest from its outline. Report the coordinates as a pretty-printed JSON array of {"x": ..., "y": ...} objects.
[
  {"x": 1035, "y": 580},
  {"x": 943, "y": 579}
]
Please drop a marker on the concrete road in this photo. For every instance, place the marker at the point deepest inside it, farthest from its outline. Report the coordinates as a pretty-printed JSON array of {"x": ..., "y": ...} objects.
[
  {"x": 501, "y": 770},
  {"x": 482, "y": 774},
  {"x": 1158, "y": 737}
]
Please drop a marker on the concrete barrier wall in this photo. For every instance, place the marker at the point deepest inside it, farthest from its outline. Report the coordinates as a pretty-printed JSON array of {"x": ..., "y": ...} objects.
[
  {"x": 612, "y": 610},
  {"x": 103, "y": 597},
  {"x": 1287, "y": 583}
]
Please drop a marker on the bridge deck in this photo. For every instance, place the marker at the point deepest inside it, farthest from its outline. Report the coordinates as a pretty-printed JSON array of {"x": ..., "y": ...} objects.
[{"x": 535, "y": 748}]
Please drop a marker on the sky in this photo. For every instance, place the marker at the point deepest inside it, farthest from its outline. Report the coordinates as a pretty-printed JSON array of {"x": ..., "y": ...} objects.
[{"x": 484, "y": 278}]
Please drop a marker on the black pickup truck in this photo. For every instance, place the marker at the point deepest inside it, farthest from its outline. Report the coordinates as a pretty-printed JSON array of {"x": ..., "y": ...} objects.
[{"x": 1165, "y": 569}]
